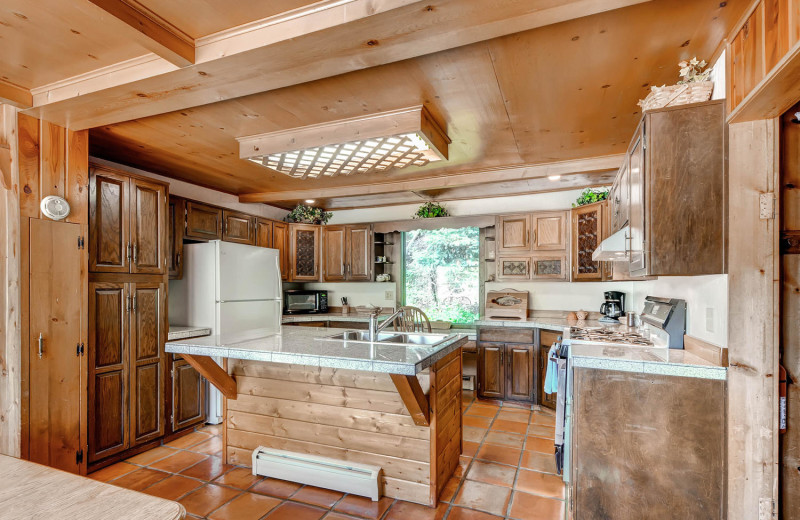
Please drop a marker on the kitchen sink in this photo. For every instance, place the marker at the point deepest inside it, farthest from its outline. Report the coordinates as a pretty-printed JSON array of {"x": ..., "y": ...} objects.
[{"x": 401, "y": 338}]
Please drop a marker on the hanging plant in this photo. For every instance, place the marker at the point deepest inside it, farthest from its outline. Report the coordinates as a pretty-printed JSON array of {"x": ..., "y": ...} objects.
[
  {"x": 590, "y": 196},
  {"x": 431, "y": 210},
  {"x": 308, "y": 215}
]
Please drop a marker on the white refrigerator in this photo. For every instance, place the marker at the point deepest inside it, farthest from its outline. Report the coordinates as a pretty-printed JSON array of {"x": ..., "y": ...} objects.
[{"x": 229, "y": 288}]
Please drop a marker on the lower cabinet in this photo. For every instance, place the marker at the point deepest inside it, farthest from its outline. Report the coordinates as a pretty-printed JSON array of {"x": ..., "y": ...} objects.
[
  {"x": 188, "y": 395},
  {"x": 127, "y": 365},
  {"x": 546, "y": 340},
  {"x": 506, "y": 371}
]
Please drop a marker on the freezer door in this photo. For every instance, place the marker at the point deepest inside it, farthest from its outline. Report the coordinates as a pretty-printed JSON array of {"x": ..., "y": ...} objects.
[
  {"x": 247, "y": 273},
  {"x": 248, "y": 315}
]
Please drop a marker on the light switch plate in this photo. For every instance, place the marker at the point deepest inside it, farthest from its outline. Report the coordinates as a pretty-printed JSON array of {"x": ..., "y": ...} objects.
[
  {"x": 388, "y": 295},
  {"x": 766, "y": 206}
]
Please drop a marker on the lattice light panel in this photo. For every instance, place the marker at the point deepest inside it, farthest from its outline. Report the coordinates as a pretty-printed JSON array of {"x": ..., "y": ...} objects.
[{"x": 397, "y": 139}]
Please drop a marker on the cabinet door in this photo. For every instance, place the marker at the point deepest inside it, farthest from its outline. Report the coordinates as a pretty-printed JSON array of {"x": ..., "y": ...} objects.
[
  {"x": 587, "y": 228},
  {"x": 148, "y": 226},
  {"x": 519, "y": 372},
  {"x": 637, "y": 207},
  {"x": 176, "y": 220},
  {"x": 147, "y": 361},
  {"x": 263, "y": 232},
  {"x": 513, "y": 268},
  {"x": 491, "y": 370},
  {"x": 56, "y": 379},
  {"x": 304, "y": 252},
  {"x": 280, "y": 241},
  {"x": 359, "y": 253},
  {"x": 109, "y": 241},
  {"x": 550, "y": 268},
  {"x": 549, "y": 231},
  {"x": 238, "y": 228},
  {"x": 622, "y": 197},
  {"x": 188, "y": 395},
  {"x": 109, "y": 307},
  {"x": 334, "y": 253},
  {"x": 514, "y": 234},
  {"x": 203, "y": 222}
]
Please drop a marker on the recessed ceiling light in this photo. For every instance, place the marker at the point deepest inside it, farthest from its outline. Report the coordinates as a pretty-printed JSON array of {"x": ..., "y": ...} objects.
[
  {"x": 554, "y": 177},
  {"x": 377, "y": 142},
  {"x": 310, "y": 201}
]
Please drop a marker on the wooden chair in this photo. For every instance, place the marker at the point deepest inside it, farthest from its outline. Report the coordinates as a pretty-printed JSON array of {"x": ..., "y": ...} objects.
[{"x": 413, "y": 320}]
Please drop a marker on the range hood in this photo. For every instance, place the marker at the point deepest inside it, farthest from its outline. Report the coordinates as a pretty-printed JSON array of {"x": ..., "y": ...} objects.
[{"x": 614, "y": 248}]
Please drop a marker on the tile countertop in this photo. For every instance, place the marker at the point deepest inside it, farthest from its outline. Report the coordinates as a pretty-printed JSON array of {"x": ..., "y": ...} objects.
[
  {"x": 363, "y": 318},
  {"x": 300, "y": 346},
  {"x": 180, "y": 332},
  {"x": 645, "y": 360},
  {"x": 555, "y": 324}
]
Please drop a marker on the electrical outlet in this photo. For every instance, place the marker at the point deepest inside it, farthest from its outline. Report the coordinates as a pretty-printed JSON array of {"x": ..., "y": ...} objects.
[
  {"x": 709, "y": 319},
  {"x": 388, "y": 295}
]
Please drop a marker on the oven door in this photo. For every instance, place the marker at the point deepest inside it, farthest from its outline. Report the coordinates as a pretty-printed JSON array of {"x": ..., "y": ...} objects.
[{"x": 300, "y": 302}]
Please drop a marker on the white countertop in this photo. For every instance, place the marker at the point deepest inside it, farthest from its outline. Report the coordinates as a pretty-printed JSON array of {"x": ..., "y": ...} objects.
[
  {"x": 555, "y": 324},
  {"x": 181, "y": 332},
  {"x": 300, "y": 346}
]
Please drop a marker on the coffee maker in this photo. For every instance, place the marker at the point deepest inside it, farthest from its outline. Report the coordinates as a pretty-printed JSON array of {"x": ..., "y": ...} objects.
[{"x": 613, "y": 307}]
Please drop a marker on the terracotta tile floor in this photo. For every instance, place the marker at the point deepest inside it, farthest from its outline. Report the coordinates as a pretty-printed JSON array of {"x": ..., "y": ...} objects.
[{"x": 506, "y": 472}]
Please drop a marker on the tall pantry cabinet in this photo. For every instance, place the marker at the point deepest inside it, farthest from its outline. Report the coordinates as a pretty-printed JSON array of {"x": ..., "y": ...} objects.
[{"x": 128, "y": 262}]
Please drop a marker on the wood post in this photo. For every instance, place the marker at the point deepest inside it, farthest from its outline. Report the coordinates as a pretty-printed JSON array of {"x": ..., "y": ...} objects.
[{"x": 753, "y": 298}]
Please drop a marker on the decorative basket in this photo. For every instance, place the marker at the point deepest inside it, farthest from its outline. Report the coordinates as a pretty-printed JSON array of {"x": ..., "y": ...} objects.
[{"x": 674, "y": 95}]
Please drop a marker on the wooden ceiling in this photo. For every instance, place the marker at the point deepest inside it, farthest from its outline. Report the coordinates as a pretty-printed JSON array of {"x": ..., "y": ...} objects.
[{"x": 557, "y": 98}]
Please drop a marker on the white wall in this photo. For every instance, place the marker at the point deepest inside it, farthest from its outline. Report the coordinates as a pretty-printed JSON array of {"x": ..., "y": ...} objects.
[
  {"x": 535, "y": 202},
  {"x": 560, "y": 296},
  {"x": 207, "y": 195},
  {"x": 358, "y": 293}
]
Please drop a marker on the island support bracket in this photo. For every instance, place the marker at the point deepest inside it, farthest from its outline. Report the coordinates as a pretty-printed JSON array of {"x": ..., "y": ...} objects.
[
  {"x": 414, "y": 398},
  {"x": 215, "y": 374}
]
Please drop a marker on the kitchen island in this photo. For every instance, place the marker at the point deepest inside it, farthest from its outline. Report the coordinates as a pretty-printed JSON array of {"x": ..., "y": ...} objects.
[{"x": 396, "y": 406}]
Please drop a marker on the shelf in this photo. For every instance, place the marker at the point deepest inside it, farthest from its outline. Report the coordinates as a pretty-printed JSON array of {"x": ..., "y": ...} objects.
[{"x": 384, "y": 243}]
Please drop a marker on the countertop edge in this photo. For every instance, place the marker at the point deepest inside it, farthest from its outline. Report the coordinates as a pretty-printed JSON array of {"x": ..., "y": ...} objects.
[{"x": 649, "y": 367}]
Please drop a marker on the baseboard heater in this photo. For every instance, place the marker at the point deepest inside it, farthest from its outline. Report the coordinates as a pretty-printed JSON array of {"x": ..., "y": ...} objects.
[{"x": 323, "y": 472}]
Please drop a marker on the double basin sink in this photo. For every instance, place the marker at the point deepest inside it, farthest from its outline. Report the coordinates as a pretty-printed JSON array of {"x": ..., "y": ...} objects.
[{"x": 394, "y": 338}]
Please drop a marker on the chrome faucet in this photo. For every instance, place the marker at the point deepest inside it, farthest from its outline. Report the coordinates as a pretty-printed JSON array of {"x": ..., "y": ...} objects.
[{"x": 375, "y": 327}]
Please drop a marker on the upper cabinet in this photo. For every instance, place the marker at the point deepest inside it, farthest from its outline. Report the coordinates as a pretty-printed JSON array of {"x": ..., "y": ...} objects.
[
  {"x": 588, "y": 227},
  {"x": 263, "y": 232},
  {"x": 203, "y": 222},
  {"x": 239, "y": 228},
  {"x": 549, "y": 231},
  {"x": 675, "y": 168},
  {"x": 347, "y": 253},
  {"x": 514, "y": 233},
  {"x": 128, "y": 221},
  {"x": 304, "y": 252},
  {"x": 176, "y": 215},
  {"x": 280, "y": 241}
]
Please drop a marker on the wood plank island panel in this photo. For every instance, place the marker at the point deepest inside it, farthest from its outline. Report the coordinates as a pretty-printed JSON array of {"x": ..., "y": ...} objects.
[{"x": 349, "y": 415}]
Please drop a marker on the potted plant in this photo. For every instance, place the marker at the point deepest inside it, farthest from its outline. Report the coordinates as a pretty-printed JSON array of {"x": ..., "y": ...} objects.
[
  {"x": 431, "y": 210},
  {"x": 590, "y": 196},
  {"x": 308, "y": 215},
  {"x": 694, "y": 87}
]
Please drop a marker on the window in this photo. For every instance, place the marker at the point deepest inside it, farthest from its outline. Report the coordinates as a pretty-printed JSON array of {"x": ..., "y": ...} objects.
[{"x": 440, "y": 273}]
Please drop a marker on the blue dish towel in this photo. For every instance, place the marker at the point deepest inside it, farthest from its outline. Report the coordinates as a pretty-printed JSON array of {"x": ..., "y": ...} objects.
[{"x": 551, "y": 378}]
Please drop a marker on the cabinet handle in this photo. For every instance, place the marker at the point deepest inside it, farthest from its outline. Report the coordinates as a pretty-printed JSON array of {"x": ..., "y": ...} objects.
[
  {"x": 534, "y": 236},
  {"x": 128, "y": 252},
  {"x": 178, "y": 259},
  {"x": 128, "y": 304},
  {"x": 41, "y": 346},
  {"x": 136, "y": 253},
  {"x": 134, "y": 303}
]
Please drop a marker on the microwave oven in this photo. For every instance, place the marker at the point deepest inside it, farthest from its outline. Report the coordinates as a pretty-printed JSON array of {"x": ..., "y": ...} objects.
[{"x": 303, "y": 301}]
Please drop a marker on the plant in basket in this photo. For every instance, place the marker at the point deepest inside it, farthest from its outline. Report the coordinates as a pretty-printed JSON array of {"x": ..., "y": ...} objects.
[
  {"x": 694, "y": 87},
  {"x": 308, "y": 215}
]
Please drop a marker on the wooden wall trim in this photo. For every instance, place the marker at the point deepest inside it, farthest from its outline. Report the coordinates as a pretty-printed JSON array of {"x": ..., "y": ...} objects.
[
  {"x": 15, "y": 95},
  {"x": 10, "y": 316},
  {"x": 753, "y": 299}
]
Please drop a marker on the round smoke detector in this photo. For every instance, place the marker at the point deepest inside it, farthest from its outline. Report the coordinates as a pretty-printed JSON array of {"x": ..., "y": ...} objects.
[{"x": 54, "y": 207}]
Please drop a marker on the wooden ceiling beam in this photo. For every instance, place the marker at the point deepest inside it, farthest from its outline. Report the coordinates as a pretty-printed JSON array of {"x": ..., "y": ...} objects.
[
  {"x": 322, "y": 40},
  {"x": 15, "y": 95},
  {"x": 151, "y": 31},
  {"x": 608, "y": 163}
]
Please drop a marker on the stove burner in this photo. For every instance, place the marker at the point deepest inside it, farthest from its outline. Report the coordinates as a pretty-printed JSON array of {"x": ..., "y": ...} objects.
[{"x": 608, "y": 336}]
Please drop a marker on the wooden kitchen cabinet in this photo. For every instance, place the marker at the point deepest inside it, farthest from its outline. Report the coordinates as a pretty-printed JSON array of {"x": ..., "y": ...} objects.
[
  {"x": 176, "y": 215},
  {"x": 263, "y": 232},
  {"x": 304, "y": 240},
  {"x": 619, "y": 197},
  {"x": 588, "y": 224},
  {"x": 514, "y": 234},
  {"x": 347, "y": 253},
  {"x": 491, "y": 370},
  {"x": 280, "y": 241},
  {"x": 188, "y": 395},
  {"x": 203, "y": 222},
  {"x": 128, "y": 220},
  {"x": 239, "y": 228},
  {"x": 520, "y": 366},
  {"x": 550, "y": 267},
  {"x": 127, "y": 324},
  {"x": 549, "y": 231}
]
